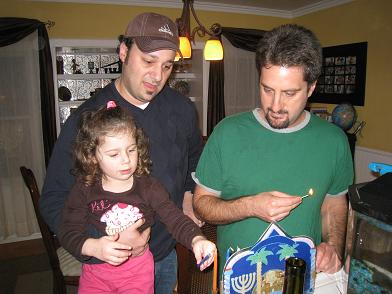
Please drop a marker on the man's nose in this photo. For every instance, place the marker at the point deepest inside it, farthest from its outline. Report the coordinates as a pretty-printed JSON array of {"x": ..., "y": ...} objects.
[
  {"x": 156, "y": 73},
  {"x": 276, "y": 102}
]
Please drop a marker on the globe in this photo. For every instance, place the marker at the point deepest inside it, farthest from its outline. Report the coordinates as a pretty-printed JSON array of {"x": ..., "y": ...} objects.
[{"x": 344, "y": 116}]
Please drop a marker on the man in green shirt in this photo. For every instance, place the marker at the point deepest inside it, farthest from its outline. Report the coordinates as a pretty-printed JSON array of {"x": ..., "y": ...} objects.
[{"x": 256, "y": 163}]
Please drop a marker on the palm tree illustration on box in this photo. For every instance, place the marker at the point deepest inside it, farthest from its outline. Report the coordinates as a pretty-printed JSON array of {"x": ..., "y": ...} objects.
[
  {"x": 259, "y": 258},
  {"x": 287, "y": 251}
]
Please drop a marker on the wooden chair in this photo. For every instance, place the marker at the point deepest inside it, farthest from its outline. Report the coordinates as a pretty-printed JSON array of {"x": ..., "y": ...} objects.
[
  {"x": 190, "y": 279},
  {"x": 66, "y": 269}
]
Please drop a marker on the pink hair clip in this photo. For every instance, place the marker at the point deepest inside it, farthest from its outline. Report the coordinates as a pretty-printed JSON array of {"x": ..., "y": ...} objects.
[{"x": 111, "y": 104}]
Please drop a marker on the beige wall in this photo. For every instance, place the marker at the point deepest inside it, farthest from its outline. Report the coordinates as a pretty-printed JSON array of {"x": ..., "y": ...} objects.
[
  {"x": 361, "y": 20},
  {"x": 364, "y": 20}
]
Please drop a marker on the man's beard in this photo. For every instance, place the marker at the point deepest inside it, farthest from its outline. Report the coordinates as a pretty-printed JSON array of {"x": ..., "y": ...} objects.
[{"x": 282, "y": 124}]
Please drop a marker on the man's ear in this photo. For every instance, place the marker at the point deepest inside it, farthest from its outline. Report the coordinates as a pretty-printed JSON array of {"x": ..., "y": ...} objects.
[
  {"x": 311, "y": 89},
  {"x": 122, "y": 54}
]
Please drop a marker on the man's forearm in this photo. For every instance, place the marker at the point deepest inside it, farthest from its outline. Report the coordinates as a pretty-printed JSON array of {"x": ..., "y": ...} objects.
[
  {"x": 217, "y": 211},
  {"x": 334, "y": 222}
]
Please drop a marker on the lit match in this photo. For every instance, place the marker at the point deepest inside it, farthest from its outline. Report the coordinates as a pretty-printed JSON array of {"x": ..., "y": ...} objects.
[{"x": 310, "y": 193}]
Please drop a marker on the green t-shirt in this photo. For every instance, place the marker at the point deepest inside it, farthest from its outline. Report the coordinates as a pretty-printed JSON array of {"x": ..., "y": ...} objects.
[{"x": 245, "y": 156}]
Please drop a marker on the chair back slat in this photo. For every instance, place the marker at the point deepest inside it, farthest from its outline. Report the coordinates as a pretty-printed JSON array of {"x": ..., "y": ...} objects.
[
  {"x": 49, "y": 239},
  {"x": 47, "y": 235}
]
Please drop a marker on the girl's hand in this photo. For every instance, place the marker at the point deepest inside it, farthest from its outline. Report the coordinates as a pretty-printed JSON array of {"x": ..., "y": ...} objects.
[{"x": 201, "y": 248}]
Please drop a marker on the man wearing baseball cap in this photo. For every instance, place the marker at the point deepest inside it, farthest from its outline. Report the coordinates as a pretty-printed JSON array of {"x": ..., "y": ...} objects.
[
  {"x": 146, "y": 51},
  {"x": 153, "y": 32}
]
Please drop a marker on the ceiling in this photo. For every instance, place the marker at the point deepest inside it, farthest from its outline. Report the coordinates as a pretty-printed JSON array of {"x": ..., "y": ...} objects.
[
  {"x": 278, "y": 8},
  {"x": 288, "y": 5}
]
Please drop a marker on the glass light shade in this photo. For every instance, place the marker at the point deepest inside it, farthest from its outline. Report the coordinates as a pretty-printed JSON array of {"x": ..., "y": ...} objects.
[
  {"x": 185, "y": 47},
  {"x": 177, "y": 57},
  {"x": 213, "y": 50}
]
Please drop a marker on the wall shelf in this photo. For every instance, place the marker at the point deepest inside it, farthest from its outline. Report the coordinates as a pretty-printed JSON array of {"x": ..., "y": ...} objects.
[{"x": 87, "y": 76}]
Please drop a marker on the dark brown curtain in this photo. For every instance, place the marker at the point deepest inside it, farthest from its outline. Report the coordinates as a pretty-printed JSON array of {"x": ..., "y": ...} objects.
[
  {"x": 216, "y": 103},
  {"x": 246, "y": 39},
  {"x": 14, "y": 29}
]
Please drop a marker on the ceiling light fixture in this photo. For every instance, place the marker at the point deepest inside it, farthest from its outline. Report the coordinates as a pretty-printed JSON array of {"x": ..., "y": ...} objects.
[{"x": 213, "y": 49}]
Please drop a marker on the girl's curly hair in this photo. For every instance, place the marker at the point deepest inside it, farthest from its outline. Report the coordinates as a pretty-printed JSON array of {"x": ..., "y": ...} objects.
[{"x": 94, "y": 125}]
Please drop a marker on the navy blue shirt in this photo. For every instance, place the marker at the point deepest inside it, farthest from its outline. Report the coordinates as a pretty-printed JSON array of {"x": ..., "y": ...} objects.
[{"x": 169, "y": 121}]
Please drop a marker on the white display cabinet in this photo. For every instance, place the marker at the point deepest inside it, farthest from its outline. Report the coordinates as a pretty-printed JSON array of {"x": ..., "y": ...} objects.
[
  {"x": 82, "y": 67},
  {"x": 191, "y": 78}
]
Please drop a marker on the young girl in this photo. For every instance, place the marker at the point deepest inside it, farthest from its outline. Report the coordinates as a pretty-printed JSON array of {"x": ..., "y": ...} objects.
[{"x": 113, "y": 190}]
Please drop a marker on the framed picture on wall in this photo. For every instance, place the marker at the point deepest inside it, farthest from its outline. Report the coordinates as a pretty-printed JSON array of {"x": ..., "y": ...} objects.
[{"x": 343, "y": 75}]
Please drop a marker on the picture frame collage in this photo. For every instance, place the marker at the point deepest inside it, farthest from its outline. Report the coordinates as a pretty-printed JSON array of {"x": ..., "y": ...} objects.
[{"x": 343, "y": 75}]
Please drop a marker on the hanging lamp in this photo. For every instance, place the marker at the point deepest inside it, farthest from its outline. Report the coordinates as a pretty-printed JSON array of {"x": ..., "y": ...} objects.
[{"x": 213, "y": 49}]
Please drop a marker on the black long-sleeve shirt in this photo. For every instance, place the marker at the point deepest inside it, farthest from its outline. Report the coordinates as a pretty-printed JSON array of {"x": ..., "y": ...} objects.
[{"x": 169, "y": 121}]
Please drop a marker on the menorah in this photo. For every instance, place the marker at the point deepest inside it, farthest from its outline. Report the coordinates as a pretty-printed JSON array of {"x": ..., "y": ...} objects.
[{"x": 243, "y": 283}]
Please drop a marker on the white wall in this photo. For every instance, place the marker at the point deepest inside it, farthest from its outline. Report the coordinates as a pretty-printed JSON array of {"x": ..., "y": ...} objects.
[{"x": 364, "y": 156}]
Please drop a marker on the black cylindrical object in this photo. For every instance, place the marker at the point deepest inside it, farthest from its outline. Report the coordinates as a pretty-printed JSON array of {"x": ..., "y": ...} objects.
[
  {"x": 294, "y": 276},
  {"x": 60, "y": 65}
]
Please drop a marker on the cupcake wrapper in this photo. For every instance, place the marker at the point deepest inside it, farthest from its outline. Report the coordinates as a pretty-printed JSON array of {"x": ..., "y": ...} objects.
[{"x": 113, "y": 231}]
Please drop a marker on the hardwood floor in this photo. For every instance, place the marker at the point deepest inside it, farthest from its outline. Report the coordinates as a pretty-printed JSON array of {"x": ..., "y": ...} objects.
[
  {"x": 25, "y": 274},
  {"x": 25, "y": 269}
]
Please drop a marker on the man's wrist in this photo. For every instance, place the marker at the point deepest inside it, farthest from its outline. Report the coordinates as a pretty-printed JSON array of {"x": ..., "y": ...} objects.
[
  {"x": 247, "y": 203},
  {"x": 338, "y": 249},
  {"x": 187, "y": 204},
  {"x": 188, "y": 194},
  {"x": 88, "y": 247}
]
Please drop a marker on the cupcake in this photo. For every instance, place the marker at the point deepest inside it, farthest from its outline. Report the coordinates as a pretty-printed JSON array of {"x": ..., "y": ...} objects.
[{"x": 120, "y": 217}]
